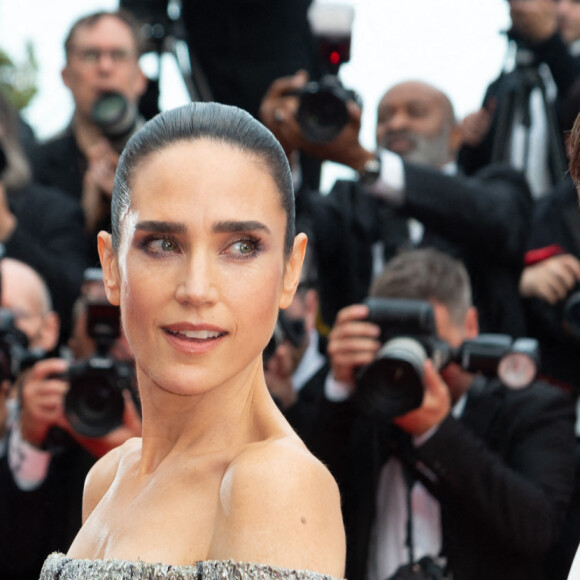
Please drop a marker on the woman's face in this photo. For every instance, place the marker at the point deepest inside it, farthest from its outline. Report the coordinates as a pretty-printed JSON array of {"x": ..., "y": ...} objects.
[{"x": 200, "y": 272}]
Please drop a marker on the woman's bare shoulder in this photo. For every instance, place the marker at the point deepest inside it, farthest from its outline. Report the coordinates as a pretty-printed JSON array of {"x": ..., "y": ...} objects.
[
  {"x": 102, "y": 474},
  {"x": 281, "y": 506}
]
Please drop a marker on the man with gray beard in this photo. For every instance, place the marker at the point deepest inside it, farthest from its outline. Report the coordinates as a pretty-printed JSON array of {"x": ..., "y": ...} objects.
[{"x": 410, "y": 194}]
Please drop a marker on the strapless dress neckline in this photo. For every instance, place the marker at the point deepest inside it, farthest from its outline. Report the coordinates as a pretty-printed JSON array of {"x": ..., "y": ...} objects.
[{"x": 60, "y": 567}]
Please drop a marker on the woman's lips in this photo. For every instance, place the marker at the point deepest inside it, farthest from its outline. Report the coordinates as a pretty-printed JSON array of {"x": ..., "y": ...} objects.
[
  {"x": 197, "y": 334},
  {"x": 194, "y": 339}
]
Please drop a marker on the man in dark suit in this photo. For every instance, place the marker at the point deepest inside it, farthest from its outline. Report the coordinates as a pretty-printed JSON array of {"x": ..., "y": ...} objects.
[
  {"x": 40, "y": 225},
  {"x": 410, "y": 194},
  {"x": 477, "y": 477},
  {"x": 43, "y": 460},
  {"x": 545, "y": 38},
  {"x": 296, "y": 366},
  {"x": 102, "y": 57}
]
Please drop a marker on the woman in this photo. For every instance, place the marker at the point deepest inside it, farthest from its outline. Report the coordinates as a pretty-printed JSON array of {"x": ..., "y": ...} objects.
[{"x": 201, "y": 257}]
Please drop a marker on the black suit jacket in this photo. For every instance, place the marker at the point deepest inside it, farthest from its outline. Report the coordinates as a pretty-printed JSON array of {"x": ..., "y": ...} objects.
[
  {"x": 302, "y": 414},
  {"x": 555, "y": 228},
  {"x": 50, "y": 238},
  {"x": 503, "y": 476},
  {"x": 60, "y": 163},
  {"x": 482, "y": 220},
  {"x": 37, "y": 522}
]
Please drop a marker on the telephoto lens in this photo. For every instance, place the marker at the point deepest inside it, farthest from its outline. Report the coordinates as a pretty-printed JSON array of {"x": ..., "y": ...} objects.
[
  {"x": 94, "y": 404},
  {"x": 115, "y": 115}
]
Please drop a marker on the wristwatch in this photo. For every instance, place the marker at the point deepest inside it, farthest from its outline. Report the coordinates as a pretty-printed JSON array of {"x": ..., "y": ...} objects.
[{"x": 370, "y": 171}]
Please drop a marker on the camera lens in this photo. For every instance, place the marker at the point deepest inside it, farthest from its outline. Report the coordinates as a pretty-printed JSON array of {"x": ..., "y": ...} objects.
[
  {"x": 94, "y": 404},
  {"x": 322, "y": 114},
  {"x": 113, "y": 113},
  {"x": 392, "y": 384}
]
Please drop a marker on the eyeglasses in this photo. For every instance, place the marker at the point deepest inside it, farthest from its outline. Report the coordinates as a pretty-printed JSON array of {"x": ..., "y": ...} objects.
[{"x": 92, "y": 56}]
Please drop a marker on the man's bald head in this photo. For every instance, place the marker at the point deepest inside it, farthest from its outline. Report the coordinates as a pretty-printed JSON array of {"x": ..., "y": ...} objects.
[
  {"x": 26, "y": 295},
  {"x": 417, "y": 121}
]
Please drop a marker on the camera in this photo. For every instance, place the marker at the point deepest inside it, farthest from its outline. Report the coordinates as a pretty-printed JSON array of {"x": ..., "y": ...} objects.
[
  {"x": 117, "y": 118},
  {"x": 285, "y": 329},
  {"x": 14, "y": 353},
  {"x": 322, "y": 111},
  {"x": 392, "y": 384},
  {"x": 94, "y": 403}
]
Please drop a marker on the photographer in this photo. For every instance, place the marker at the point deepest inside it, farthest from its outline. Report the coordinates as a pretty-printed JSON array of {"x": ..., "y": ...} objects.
[
  {"x": 545, "y": 34},
  {"x": 477, "y": 477},
  {"x": 296, "y": 369},
  {"x": 102, "y": 59},
  {"x": 42, "y": 473},
  {"x": 551, "y": 276},
  {"x": 409, "y": 194}
]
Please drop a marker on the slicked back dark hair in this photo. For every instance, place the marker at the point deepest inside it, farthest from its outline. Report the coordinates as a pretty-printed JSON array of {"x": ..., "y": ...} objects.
[{"x": 192, "y": 122}]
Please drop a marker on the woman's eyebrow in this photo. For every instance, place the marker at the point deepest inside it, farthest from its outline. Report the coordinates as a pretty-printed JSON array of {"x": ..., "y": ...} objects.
[
  {"x": 161, "y": 227},
  {"x": 239, "y": 226}
]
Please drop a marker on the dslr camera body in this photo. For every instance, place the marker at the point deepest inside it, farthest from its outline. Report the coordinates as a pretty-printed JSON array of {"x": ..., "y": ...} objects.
[
  {"x": 392, "y": 384},
  {"x": 94, "y": 403},
  {"x": 322, "y": 111},
  {"x": 15, "y": 356}
]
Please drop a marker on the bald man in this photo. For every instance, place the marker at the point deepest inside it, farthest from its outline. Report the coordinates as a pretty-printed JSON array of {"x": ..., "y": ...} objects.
[
  {"x": 44, "y": 462},
  {"x": 25, "y": 295},
  {"x": 411, "y": 194}
]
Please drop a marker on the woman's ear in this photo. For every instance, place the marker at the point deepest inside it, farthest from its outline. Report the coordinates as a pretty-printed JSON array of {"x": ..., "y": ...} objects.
[
  {"x": 111, "y": 277},
  {"x": 293, "y": 270}
]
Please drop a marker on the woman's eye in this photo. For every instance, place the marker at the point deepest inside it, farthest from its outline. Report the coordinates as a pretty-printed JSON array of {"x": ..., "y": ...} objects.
[
  {"x": 162, "y": 246},
  {"x": 244, "y": 247}
]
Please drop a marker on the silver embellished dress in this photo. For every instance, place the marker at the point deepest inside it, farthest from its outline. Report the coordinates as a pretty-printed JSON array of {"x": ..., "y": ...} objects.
[{"x": 60, "y": 567}]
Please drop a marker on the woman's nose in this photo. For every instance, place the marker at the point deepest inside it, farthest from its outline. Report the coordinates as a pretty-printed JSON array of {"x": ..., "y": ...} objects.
[{"x": 197, "y": 284}]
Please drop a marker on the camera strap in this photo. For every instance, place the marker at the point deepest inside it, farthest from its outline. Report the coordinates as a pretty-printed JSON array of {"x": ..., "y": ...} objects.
[
  {"x": 402, "y": 447},
  {"x": 426, "y": 567},
  {"x": 410, "y": 481}
]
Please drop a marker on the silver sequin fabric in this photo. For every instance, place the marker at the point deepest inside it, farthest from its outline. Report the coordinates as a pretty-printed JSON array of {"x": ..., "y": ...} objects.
[{"x": 60, "y": 567}]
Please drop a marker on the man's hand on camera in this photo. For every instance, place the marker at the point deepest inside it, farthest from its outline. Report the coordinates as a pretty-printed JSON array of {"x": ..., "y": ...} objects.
[
  {"x": 279, "y": 107},
  {"x": 534, "y": 20},
  {"x": 435, "y": 407},
  {"x": 352, "y": 343},
  {"x": 42, "y": 400},
  {"x": 551, "y": 279},
  {"x": 278, "y": 112}
]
